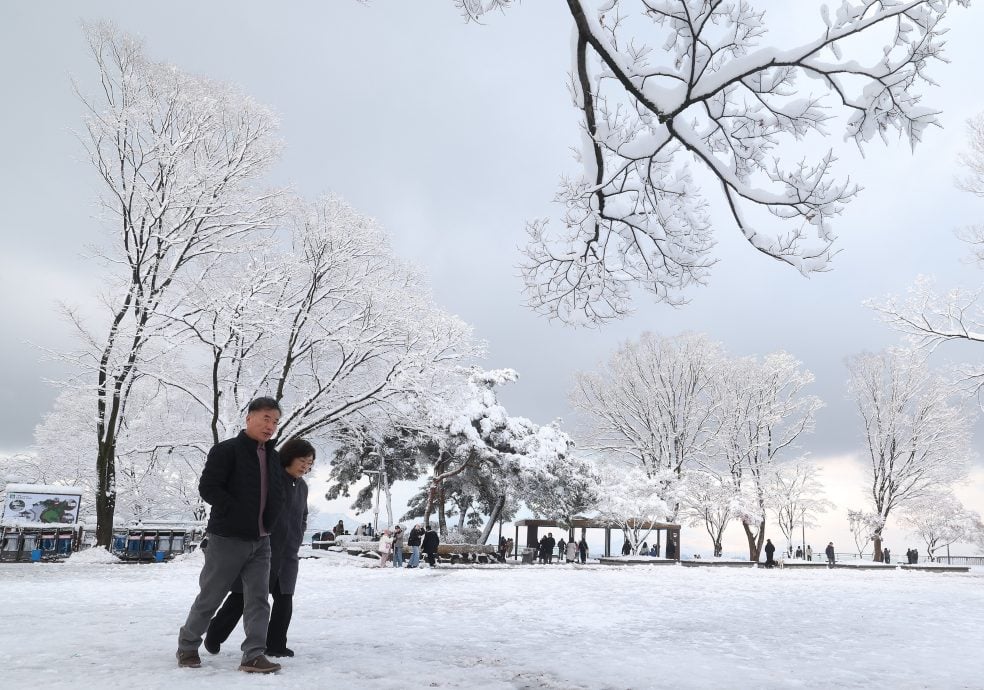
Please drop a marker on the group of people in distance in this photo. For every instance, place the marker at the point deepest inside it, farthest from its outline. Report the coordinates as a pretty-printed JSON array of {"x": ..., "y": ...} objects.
[
  {"x": 653, "y": 551},
  {"x": 570, "y": 552},
  {"x": 391, "y": 543},
  {"x": 804, "y": 554}
]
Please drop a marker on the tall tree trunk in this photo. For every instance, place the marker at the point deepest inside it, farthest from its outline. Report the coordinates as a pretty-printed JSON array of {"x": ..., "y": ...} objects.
[
  {"x": 429, "y": 506},
  {"x": 878, "y": 556},
  {"x": 755, "y": 541},
  {"x": 105, "y": 490},
  {"x": 500, "y": 502},
  {"x": 442, "y": 518}
]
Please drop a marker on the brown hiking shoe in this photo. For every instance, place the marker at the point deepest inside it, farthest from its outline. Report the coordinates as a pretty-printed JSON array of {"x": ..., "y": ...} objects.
[
  {"x": 259, "y": 665},
  {"x": 188, "y": 659}
]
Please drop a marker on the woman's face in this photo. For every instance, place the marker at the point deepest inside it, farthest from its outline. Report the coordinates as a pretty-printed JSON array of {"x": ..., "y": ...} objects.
[{"x": 298, "y": 467}]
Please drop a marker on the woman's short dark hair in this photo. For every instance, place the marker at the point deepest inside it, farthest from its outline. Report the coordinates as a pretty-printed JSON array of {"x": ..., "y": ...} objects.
[
  {"x": 263, "y": 404},
  {"x": 295, "y": 448}
]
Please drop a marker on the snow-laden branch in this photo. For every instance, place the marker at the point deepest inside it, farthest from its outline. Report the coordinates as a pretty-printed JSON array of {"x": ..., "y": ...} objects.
[{"x": 663, "y": 84}]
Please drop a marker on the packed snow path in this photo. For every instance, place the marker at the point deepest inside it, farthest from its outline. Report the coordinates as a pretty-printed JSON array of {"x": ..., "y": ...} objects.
[{"x": 90, "y": 624}]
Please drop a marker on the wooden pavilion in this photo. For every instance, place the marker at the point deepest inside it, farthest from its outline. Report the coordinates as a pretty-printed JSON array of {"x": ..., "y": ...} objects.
[{"x": 668, "y": 543}]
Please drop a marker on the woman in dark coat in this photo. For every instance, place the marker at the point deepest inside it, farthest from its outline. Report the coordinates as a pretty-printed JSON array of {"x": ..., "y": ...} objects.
[
  {"x": 770, "y": 551},
  {"x": 431, "y": 542},
  {"x": 297, "y": 457}
]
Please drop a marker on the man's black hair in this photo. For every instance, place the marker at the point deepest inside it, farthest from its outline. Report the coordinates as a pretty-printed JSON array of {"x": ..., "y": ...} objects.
[
  {"x": 295, "y": 448},
  {"x": 263, "y": 404}
]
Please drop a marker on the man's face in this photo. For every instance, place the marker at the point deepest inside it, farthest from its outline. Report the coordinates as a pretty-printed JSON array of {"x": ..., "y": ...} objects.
[{"x": 261, "y": 425}]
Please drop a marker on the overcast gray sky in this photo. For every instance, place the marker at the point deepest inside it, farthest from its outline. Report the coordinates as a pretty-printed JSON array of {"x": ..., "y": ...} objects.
[{"x": 454, "y": 135}]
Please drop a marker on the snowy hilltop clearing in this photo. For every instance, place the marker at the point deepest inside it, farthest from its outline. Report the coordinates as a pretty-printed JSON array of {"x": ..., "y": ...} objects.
[{"x": 356, "y": 626}]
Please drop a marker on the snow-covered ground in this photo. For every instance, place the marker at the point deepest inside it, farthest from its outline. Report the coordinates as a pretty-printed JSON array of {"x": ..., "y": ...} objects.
[{"x": 86, "y": 623}]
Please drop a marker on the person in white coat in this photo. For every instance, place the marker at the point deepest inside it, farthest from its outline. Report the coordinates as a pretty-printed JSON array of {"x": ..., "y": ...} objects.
[{"x": 385, "y": 547}]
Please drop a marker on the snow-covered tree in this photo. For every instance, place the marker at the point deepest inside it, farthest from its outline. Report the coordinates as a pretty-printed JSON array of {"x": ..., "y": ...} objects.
[
  {"x": 566, "y": 487},
  {"x": 160, "y": 450},
  {"x": 177, "y": 155},
  {"x": 332, "y": 328},
  {"x": 472, "y": 434},
  {"x": 632, "y": 499},
  {"x": 359, "y": 456},
  {"x": 652, "y": 401},
  {"x": 797, "y": 498},
  {"x": 940, "y": 520},
  {"x": 664, "y": 86},
  {"x": 930, "y": 318},
  {"x": 711, "y": 501},
  {"x": 916, "y": 428},
  {"x": 764, "y": 411},
  {"x": 864, "y": 528}
]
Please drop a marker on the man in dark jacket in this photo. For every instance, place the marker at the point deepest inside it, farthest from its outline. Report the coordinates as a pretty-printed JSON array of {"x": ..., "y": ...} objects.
[
  {"x": 431, "y": 542},
  {"x": 413, "y": 541},
  {"x": 296, "y": 457},
  {"x": 830, "y": 553},
  {"x": 551, "y": 544},
  {"x": 242, "y": 482}
]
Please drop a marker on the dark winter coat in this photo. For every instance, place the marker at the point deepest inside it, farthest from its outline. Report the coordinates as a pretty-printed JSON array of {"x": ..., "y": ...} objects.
[
  {"x": 414, "y": 537},
  {"x": 287, "y": 535},
  {"x": 830, "y": 552},
  {"x": 431, "y": 542},
  {"x": 230, "y": 483}
]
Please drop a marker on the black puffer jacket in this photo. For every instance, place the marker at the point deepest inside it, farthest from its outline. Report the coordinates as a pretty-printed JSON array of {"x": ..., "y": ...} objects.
[{"x": 230, "y": 483}]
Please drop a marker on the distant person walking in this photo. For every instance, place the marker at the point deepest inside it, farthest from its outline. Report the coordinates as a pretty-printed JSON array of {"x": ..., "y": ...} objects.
[
  {"x": 830, "y": 553},
  {"x": 413, "y": 541},
  {"x": 571, "y": 551},
  {"x": 385, "y": 547},
  {"x": 887, "y": 555},
  {"x": 561, "y": 549},
  {"x": 431, "y": 542},
  {"x": 809, "y": 552},
  {"x": 582, "y": 550},
  {"x": 398, "y": 539},
  {"x": 770, "y": 551}
]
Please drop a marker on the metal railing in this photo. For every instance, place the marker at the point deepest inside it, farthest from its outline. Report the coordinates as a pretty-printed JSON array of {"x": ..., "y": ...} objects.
[{"x": 961, "y": 560}]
